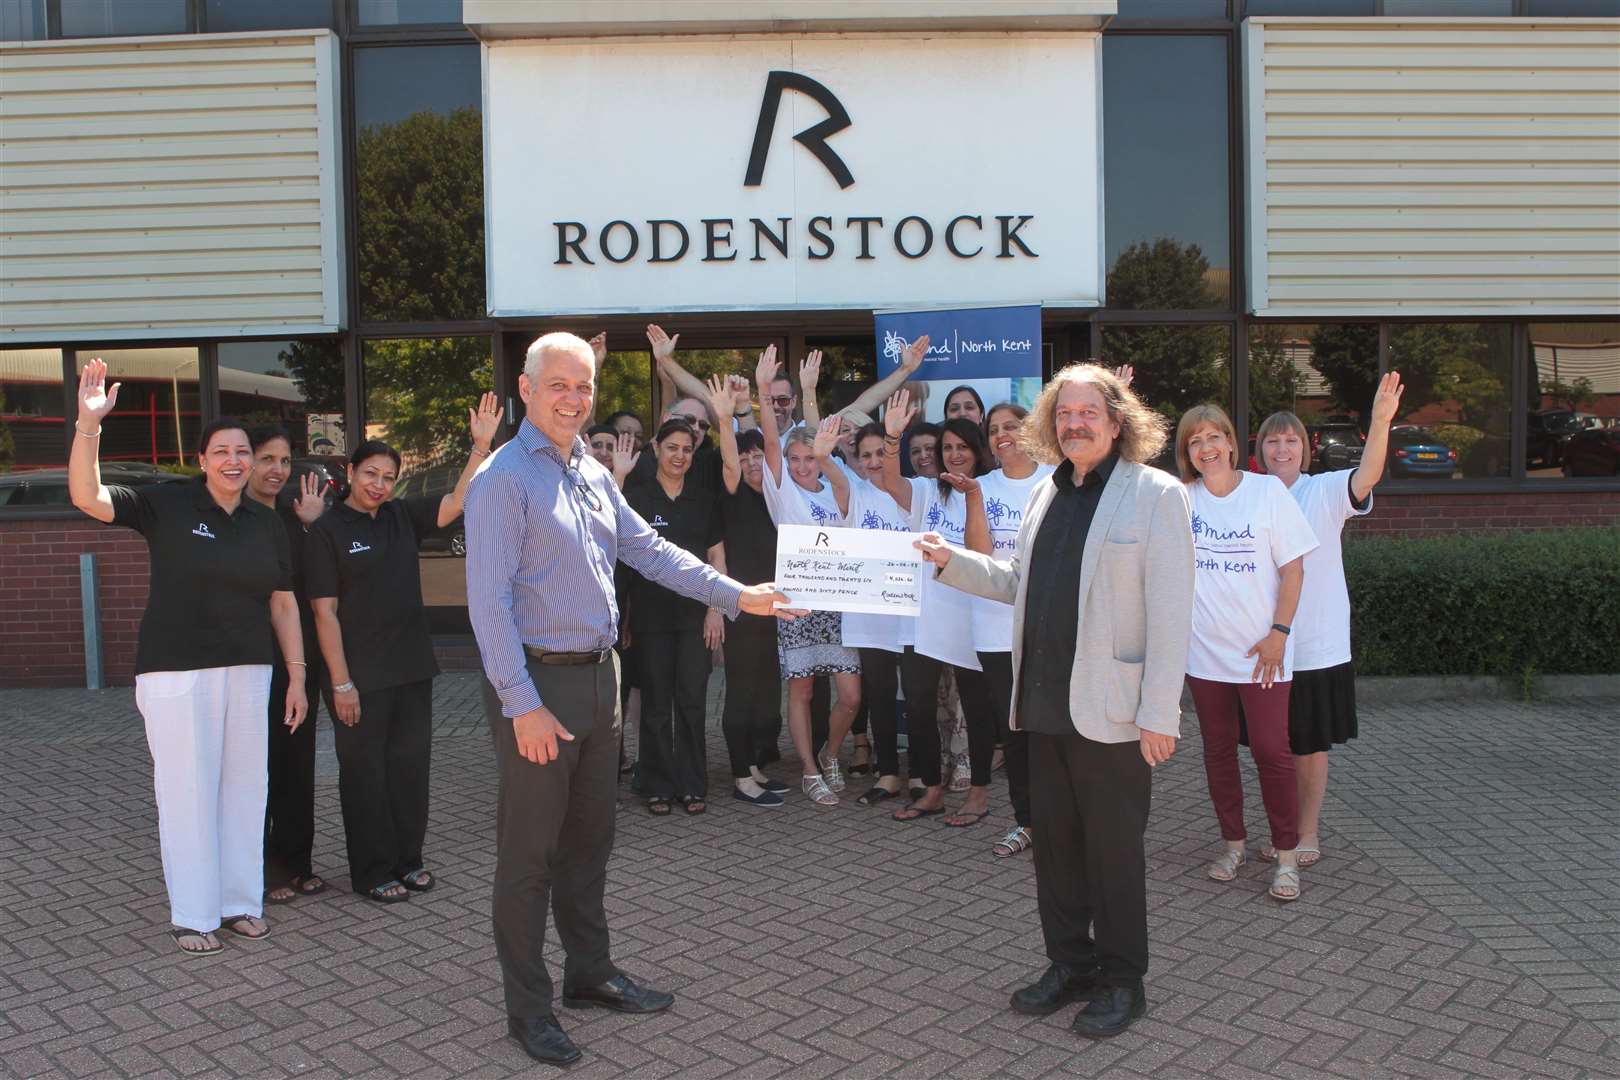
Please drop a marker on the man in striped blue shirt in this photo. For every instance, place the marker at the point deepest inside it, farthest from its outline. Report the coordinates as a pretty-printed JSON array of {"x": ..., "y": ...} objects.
[{"x": 545, "y": 524}]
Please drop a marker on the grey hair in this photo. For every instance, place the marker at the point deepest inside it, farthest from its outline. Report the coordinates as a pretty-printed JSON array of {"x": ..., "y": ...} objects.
[
  {"x": 559, "y": 341},
  {"x": 804, "y": 434}
]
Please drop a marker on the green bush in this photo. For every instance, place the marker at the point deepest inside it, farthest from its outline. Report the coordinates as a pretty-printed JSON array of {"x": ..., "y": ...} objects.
[{"x": 1516, "y": 605}]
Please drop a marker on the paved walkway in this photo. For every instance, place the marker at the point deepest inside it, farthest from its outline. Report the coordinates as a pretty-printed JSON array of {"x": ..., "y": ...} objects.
[{"x": 1465, "y": 922}]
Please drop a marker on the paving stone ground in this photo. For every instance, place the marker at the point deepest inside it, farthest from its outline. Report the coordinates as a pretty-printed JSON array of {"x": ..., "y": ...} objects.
[{"x": 1465, "y": 922}]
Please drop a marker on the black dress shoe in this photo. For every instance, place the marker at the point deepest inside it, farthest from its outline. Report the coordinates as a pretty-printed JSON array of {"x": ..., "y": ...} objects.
[
  {"x": 620, "y": 994},
  {"x": 1060, "y": 985},
  {"x": 542, "y": 1039},
  {"x": 1110, "y": 1012}
]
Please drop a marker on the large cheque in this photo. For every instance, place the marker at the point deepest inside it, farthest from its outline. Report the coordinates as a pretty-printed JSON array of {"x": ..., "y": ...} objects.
[{"x": 863, "y": 570}]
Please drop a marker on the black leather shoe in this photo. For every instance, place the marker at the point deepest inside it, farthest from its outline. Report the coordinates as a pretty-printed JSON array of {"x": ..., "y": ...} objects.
[
  {"x": 1060, "y": 985},
  {"x": 620, "y": 994},
  {"x": 1110, "y": 1012},
  {"x": 542, "y": 1039}
]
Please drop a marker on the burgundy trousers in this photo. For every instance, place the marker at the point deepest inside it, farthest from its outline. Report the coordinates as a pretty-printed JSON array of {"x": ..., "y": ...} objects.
[{"x": 1266, "y": 712}]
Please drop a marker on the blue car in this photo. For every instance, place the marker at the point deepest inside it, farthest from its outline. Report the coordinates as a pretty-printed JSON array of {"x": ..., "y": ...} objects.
[{"x": 1415, "y": 452}]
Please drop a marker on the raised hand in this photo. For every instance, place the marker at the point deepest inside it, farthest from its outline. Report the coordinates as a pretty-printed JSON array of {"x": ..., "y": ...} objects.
[
  {"x": 827, "y": 436},
  {"x": 1387, "y": 400},
  {"x": 810, "y": 373},
  {"x": 485, "y": 420},
  {"x": 915, "y": 354},
  {"x": 1125, "y": 372},
  {"x": 721, "y": 401},
  {"x": 310, "y": 502},
  {"x": 663, "y": 346},
  {"x": 742, "y": 394},
  {"x": 625, "y": 456},
  {"x": 96, "y": 399},
  {"x": 967, "y": 485},
  {"x": 598, "y": 346},
  {"x": 898, "y": 413},
  {"x": 765, "y": 371}
]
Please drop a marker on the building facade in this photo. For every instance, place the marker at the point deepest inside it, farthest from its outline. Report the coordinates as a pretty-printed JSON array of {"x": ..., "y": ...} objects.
[{"x": 351, "y": 216}]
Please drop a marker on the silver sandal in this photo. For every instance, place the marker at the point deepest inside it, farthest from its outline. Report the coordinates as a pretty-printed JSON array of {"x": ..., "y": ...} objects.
[
  {"x": 819, "y": 792},
  {"x": 1017, "y": 840},
  {"x": 832, "y": 771},
  {"x": 1225, "y": 868},
  {"x": 1284, "y": 877}
]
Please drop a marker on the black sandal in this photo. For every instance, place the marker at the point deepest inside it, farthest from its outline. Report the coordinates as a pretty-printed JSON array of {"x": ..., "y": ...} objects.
[
  {"x": 658, "y": 807},
  {"x": 232, "y": 922},
  {"x": 917, "y": 813},
  {"x": 180, "y": 933},
  {"x": 380, "y": 894},
  {"x": 419, "y": 880},
  {"x": 694, "y": 805},
  {"x": 878, "y": 793}
]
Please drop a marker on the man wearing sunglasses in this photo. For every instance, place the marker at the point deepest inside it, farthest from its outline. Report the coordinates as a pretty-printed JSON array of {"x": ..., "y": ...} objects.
[
  {"x": 545, "y": 526},
  {"x": 705, "y": 471}
]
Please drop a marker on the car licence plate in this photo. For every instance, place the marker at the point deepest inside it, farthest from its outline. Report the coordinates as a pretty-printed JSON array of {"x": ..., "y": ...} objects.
[{"x": 1428, "y": 457}]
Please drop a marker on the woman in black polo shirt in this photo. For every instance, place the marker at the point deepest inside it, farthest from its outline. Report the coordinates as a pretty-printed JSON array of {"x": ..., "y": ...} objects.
[
  {"x": 674, "y": 635},
  {"x": 360, "y": 568},
  {"x": 221, "y": 585},
  {"x": 289, "y": 812}
]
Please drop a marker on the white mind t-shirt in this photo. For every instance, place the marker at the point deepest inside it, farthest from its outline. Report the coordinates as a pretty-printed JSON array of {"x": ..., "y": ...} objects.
[
  {"x": 870, "y": 507},
  {"x": 944, "y": 625},
  {"x": 1322, "y": 624},
  {"x": 1004, "y": 503},
  {"x": 1239, "y": 542},
  {"x": 791, "y": 504}
]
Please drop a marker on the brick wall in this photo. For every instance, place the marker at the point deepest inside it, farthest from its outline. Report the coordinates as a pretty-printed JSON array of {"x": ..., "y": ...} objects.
[{"x": 42, "y": 636}]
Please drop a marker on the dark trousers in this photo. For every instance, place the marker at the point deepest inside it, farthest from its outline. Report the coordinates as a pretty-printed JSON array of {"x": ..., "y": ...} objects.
[
  {"x": 289, "y": 808},
  {"x": 919, "y": 676},
  {"x": 998, "y": 681},
  {"x": 880, "y": 678},
  {"x": 753, "y": 711},
  {"x": 554, "y": 833},
  {"x": 1090, "y": 802},
  {"x": 383, "y": 765},
  {"x": 1267, "y": 714},
  {"x": 978, "y": 714},
  {"x": 674, "y": 684}
]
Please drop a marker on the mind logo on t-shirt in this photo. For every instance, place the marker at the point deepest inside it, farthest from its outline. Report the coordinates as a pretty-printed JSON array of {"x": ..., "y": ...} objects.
[
  {"x": 821, "y": 514},
  {"x": 1223, "y": 550},
  {"x": 935, "y": 515},
  {"x": 995, "y": 511}
]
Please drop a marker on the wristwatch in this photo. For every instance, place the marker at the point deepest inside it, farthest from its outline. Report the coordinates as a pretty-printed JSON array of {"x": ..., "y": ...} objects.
[
  {"x": 1280, "y": 628},
  {"x": 343, "y": 688}
]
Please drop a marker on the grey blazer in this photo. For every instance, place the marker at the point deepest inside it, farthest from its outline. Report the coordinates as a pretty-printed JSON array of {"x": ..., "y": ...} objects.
[{"x": 1135, "y": 603}]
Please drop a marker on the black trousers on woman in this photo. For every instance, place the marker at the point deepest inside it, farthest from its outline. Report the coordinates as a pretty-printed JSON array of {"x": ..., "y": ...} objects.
[
  {"x": 289, "y": 809},
  {"x": 674, "y": 682},
  {"x": 383, "y": 782},
  {"x": 752, "y": 717},
  {"x": 880, "y": 678},
  {"x": 998, "y": 681},
  {"x": 919, "y": 676}
]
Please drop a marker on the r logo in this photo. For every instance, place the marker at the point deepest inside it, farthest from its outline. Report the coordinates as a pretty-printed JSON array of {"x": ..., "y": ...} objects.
[
  {"x": 813, "y": 138},
  {"x": 821, "y": 539}
]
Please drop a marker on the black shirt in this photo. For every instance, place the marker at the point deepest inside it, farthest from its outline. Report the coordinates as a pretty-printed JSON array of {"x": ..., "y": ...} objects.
[
  {"x": 1051, "y": 602},
  {"x": 212, "y": 575},
  {"x": 306, "y": 617},
  {"x": 750, "y": 535},
  {"x": 369, "y": 564},
  {"x": 690, "y": 521}
]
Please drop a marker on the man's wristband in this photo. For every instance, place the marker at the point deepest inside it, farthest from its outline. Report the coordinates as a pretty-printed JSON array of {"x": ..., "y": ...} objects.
[
  {"x": 343, "y": 688},
  {"x": 1280, "y": 628}
]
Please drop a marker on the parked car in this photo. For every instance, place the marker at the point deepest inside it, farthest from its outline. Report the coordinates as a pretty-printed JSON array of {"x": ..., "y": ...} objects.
[
  {"x": 331, "y": 470},
  {"x": 49, "y": 487},
  {"x": 1335, "y": 446},
  {"x": 1416, "y": 452},
  {"x": 1593, "y": 452},
  {"x": 1549, "y": 430},
  {"x": 439, "y": 480}
]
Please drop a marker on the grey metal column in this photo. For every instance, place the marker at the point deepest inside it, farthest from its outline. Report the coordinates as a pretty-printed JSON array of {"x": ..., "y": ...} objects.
[{"x": 93, "y": 679}]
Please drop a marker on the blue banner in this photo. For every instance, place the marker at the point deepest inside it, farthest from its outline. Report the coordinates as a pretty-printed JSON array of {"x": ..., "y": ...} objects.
[{"x": 965, "y": 343}]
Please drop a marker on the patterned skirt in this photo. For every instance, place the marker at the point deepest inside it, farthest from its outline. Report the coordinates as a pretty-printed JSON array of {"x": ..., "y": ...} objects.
[{"x": 813, "y": 644}]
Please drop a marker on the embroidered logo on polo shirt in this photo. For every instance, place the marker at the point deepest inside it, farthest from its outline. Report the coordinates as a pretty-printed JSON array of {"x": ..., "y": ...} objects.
[
  {"x": 356, "y": 547},
  {"x": 203, "y": 530},
  {"x": 658, "y": 522}
]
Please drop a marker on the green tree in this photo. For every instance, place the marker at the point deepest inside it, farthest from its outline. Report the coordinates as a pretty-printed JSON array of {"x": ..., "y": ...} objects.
[
  {"x": 1162, "y": 276},
  {"x": 1273, "y": 379},
  {"x": 1571, "y": 395},
  {"x": 1177, "y": 367},
  {"x": 1451, "y": 362},
  {"x": 418, "y": 391},
  {"x": 1346, "y": 355},
  {"x": 316, "y": 368}
]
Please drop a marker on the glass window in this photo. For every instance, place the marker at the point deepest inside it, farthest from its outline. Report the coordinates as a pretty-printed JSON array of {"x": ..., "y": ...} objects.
[
  {"x": 418, "y": 391},
  {"x": 22, "y": 20},
  {"x": 1448, "y": 7},
  {"x": 1176, "y": 367},
  {"x": 1172, "y": 9},
  {"x": 114, "y": 18},
  {"x": 400, "y": 12},
  {"x": 1325, "y": 375},
  {"x": 1310, "y": 7},
  {"x": 294, "y": 385},
  {"x": 1455, "y": 412},
  {"x": 1573, "y": 425},
  {"x": 32, "y": 417},
  {"x": 159, "y": 412},
  {"x": 1165, "y": 172},
  {"x": 624, "y": 383},
  {"x": 1608, "y": 9},
  {"x": 420, "y": 176},
  {"x": 848, "y": 367},
  {"x": 220, "y": 16}
]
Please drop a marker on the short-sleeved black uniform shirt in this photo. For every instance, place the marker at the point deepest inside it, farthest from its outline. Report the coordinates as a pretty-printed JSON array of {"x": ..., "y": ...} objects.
[
  {"x": 690, "y": 521},
  {"x": 369, "y": 564},
  {"x": 750, "y": 535},
  {"x": 208, "y": 604},
  {"x": 306, "y": 617}
]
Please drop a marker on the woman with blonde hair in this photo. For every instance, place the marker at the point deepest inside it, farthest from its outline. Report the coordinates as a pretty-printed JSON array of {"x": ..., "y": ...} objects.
[{"x": 1249, "y": 544}]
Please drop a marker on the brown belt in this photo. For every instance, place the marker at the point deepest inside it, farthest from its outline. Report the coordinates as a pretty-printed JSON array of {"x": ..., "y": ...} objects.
[{"x": 567, "y": 658}]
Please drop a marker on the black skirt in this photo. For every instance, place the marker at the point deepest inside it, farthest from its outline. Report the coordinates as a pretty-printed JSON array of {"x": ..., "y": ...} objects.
[{"x": 1321, "y": 710}]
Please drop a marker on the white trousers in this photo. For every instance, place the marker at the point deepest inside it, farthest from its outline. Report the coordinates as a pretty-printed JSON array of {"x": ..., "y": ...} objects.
[{"x": 209, "y": 741}]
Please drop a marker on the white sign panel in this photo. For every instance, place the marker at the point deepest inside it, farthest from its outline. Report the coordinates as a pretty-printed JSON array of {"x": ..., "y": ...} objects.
[
  {"x": 860, "y": 570},
  {"x": 792, "y": 173}
]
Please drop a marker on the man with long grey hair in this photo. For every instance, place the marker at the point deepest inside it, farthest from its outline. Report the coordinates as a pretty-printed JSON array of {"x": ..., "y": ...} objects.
[
  {"x": 1101, "y": 583},
  {"x": 545, "y": 525}
]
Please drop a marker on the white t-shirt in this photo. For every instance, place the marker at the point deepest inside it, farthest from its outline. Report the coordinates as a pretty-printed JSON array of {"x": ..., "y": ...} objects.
[
  {"x": 870, "y": 507},
  {"x": 1004, "y": 502},
  {"x": 1238, "y": 543},
  {"x": 1322, "y": 625},
  {"x": 791, "y": 504},
  {"x": 944, "y": 624}
]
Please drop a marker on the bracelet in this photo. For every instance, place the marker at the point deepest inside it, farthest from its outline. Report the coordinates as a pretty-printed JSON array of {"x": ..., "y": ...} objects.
[
  {"x": 479, "y": 452},
  {"x": 1280, "y": 628},
  {"x": 300, "y": 663},
  {"x": 895, "y": 439},
  {"x": 343, "y": 688},
  {"x": 87, "y": 434}
]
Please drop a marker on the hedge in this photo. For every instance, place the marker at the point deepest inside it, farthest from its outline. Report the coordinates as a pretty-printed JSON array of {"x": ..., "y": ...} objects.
[{"x": 1516, "y": 605}]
